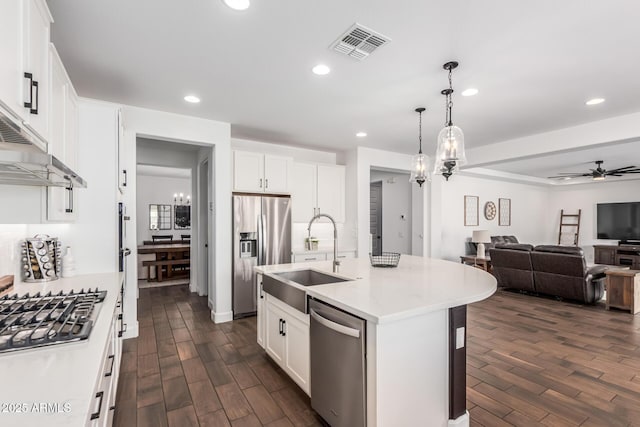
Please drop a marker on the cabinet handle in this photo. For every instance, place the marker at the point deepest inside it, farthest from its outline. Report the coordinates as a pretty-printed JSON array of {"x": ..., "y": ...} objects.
[
  {"x": 113, "y": 359},
  {"x": 309, "y": 259},
  {"x": 29, "y": 77},
  {"x": 280, "y": 326},
  {"x": 69, "y": 189},
  {"x": 96, "y": 414},
  {"x": 266, "y": 183},
  {"x": 124, "y": 172},
  {"x": 35, "y": 110},
  {"x": 284, "y": 328},
  {"x": 260, "y": 185}
]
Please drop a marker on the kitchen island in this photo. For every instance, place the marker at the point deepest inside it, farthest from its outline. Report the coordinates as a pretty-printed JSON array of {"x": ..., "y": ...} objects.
[
  {"x": 67, "y": 384},
  {"x": 415, "y": 318}
]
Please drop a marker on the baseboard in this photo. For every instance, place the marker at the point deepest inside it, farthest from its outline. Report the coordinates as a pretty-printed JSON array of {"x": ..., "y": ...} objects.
[
  {"x": 461, "y": 421},
  {"x": 227, "y": 316},
  {"x": 132, "y": 330}
]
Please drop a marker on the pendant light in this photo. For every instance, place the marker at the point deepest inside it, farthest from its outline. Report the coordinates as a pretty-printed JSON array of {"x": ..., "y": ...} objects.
[
  {"x": 419, "y": 162},
  {"x": 450, "y": 152}
]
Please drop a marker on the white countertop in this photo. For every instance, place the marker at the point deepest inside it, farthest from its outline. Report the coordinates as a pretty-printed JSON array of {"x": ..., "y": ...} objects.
[
  {"x": 61, "y": 373},
  {"x": 417, "y": 286}
]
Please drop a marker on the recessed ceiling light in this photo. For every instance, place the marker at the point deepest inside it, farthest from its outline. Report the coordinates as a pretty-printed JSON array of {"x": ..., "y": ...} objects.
[
  {"x": 595, "y": 101},
  {"x": 321, "y": 70},
  {"x": 238, "y": 4},
  {"x": 192, "y": 99},
  {"x": 361, "y": 134},
  {"x": 470, "y": 92}
]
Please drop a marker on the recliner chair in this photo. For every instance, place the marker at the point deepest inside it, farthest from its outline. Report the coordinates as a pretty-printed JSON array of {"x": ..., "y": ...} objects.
[
  {"x": 511, "y": 263},
  {"x": 562, "y": 271}
]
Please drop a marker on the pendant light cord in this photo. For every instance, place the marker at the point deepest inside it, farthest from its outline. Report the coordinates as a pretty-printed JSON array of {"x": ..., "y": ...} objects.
[
  {"x": 420, "y": 133},
  {"x": 449, "y": 119}
]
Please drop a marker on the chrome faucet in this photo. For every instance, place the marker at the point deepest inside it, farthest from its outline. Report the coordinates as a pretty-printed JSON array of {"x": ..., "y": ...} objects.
[{"x": 336, "y": 263}]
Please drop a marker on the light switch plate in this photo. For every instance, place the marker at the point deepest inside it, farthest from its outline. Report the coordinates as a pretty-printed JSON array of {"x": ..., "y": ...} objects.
[{"x": 459, "y": 338}]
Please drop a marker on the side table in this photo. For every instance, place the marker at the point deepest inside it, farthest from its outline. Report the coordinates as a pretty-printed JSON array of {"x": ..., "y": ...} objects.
[
  {"x": 483, "y": 263},
  {"x": 623, "y": 289}
]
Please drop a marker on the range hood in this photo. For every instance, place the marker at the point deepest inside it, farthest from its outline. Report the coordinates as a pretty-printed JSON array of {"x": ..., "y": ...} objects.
[{"x": 23, "y": 157}]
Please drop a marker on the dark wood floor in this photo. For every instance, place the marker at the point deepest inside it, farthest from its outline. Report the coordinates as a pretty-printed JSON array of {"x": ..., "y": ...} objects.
[
  {"x": 531, "y": 361},
  {"x": 183, "y": 370}
]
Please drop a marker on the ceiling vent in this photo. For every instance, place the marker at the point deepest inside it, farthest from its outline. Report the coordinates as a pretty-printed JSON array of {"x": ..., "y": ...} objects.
[{"x": 359, "y": 42}]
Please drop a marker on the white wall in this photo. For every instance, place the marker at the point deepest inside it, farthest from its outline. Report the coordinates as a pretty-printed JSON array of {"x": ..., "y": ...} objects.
[
  {"x": 158, "y": 190},
  {"x": 215, "y": 136},
  {"x": 529, "y": 213},
  {"x": 586, "y": 197},
  {"x": 397, "y": 215}
]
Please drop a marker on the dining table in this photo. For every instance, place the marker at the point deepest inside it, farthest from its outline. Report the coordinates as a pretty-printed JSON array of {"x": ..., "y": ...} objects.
[{"x": 166, "y": 255}]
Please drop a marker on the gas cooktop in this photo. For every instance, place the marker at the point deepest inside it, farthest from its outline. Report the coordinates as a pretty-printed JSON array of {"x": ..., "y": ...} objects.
[{"x": 33, "y": 321}]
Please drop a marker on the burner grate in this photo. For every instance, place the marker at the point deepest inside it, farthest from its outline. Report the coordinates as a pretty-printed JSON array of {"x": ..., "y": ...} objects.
[{"x": 33, "y": 321}]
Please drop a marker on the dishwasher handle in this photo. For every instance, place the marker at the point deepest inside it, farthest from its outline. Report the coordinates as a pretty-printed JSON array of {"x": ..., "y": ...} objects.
[{"x": 345, "y": 330}]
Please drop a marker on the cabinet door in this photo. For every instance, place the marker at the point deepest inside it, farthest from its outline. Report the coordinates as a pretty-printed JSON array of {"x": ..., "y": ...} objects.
[
  {"x": 37, "y": 20},
  {"x": 261, "y": 312},
  {"x": 276, "y": 174},
  {"x": 122, "y": 171},
  {"x": 274, "y": 340},
  {"x": 302, "y": 257},
  {"x": 11, "y": 70},
  {"x": 57, "y": 101},
  {"x": 331, "y": 191},
  {"x": 248, "y": 172},
  {"x": 303, "y": 192},
  {"x": 297, "y": 351}
]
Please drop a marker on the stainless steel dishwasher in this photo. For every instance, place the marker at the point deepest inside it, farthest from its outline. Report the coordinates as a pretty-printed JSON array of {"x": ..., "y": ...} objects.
[{"x": 338, "y": 367}]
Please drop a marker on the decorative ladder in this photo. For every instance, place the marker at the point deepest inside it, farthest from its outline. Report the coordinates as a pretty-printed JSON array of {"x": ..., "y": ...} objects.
[{"x": 575, "y": 224}]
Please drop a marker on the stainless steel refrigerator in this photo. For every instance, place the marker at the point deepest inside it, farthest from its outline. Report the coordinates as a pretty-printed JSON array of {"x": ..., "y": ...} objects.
[{"x": 261, "y": 236}]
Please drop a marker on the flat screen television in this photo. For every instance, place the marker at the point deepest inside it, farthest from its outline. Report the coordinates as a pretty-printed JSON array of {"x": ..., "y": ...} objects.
[{"x": 619, "y": 221}]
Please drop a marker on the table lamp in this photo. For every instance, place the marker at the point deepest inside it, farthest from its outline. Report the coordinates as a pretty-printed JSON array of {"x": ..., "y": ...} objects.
[{"x": 481, "y": 237}]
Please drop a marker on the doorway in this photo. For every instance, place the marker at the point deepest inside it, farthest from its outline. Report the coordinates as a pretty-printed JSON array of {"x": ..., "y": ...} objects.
[
  {"x": 396, "y": 212},
  {"x": 375, "y": 217},
  {"x": 203, "y": 224}
]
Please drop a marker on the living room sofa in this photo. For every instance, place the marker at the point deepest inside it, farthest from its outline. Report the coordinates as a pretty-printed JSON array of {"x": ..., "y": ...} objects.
[
  {"x": 548, "y": 269},
  {"x": 472, "y": 247}
]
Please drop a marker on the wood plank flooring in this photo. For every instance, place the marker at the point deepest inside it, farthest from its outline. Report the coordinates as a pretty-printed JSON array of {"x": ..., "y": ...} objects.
[
  {"x": 531, "y": 361},
  {"x": 184, "y": 370}
]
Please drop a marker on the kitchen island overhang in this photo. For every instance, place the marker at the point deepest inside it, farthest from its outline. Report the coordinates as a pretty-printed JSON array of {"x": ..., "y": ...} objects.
[{"x": 415, "y": 332}]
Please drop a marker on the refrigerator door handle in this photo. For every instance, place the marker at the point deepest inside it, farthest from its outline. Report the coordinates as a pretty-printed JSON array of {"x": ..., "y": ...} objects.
[
  {"x": 263, "y": 239},
  {"x": 260, "y": 240}
]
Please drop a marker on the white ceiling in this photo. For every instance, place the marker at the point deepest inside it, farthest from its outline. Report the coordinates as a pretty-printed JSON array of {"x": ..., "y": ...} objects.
[
  {"x": 576, "y": 161},
  {"x": 535, "y": 63}
]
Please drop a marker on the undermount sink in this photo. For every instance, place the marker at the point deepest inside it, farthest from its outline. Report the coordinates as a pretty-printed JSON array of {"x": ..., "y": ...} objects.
[
  {"x": 277, "y": 284},
  {"x": 309, "y": 277}
]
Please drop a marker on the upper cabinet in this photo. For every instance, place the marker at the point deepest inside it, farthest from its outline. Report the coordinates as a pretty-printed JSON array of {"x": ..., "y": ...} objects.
[
  {"x": 261, "y": 173},
  {"x": 63, "y": 136},
  {"x": 315, "y": 189},
  {"x": 24, "y": 75}
]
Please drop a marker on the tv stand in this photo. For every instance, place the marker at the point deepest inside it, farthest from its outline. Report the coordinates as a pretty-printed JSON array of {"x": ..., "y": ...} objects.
[{"x": 627, "y": 255}]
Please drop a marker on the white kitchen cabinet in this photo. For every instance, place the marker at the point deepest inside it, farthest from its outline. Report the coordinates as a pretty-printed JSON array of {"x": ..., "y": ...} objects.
[
  {"x": 63, "y": 137},
  {"x": 317, "y": 188},
  {"x": 273, "y": 333},
  {"x": 306, "y": 257},
  {"x": 260, "y": 173},
  {"x": 122, "y": 171},
  {"x": 260, "y": 321},
  {"x": 24, "y": 45},
  {"x": 287, "y": 340}
]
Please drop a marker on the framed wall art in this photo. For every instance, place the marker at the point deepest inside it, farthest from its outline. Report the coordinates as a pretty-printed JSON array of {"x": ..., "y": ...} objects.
[
  {"x": 471, "y": 211},
  {"x": 504, "y": 212}
]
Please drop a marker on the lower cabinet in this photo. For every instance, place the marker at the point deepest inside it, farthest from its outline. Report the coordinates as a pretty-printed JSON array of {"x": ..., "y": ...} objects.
[
  {"x": 286, "y": 339},
  {"x": 260, "y": 321},
  {"x": 102, "y": 409}
]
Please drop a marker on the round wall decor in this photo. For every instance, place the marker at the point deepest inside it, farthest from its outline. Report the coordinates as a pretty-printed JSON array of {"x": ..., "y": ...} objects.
[{"x": 490, "y": 210}]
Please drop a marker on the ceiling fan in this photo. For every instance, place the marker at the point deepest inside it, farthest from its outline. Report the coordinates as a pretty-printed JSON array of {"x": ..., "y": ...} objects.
[{"x": 598, "y": 173}]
